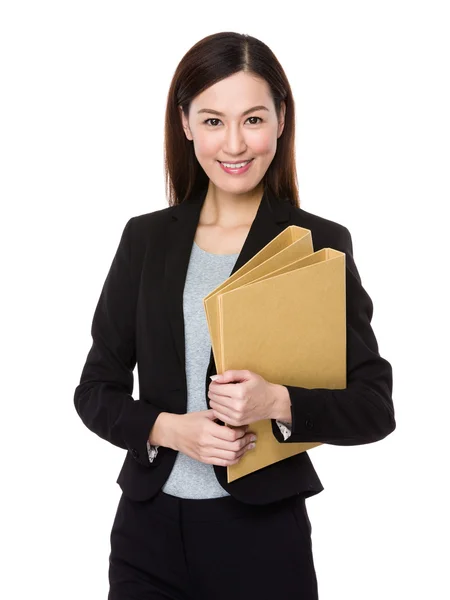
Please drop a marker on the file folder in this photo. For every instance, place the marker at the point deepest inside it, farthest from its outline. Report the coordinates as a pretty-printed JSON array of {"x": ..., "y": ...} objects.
[{"x": 283, "y": 316}]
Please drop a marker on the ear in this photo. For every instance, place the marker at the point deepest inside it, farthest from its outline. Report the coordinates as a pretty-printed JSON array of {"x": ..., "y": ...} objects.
[
  {"x": 281, "y": 118},
  {"x": 185, "y": 124}
]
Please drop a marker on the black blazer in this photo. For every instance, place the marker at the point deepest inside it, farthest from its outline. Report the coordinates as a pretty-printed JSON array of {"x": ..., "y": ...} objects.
[{"x": 139, "y": 320}]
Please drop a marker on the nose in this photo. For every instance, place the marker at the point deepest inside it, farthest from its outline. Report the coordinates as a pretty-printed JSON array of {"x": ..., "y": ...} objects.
[{"x": 234, "y": 141}]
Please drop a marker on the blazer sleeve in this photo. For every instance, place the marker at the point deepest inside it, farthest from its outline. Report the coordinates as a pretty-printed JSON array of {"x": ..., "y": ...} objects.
[
  {"x": 103, "y": 399},
  {"x": 363, "y": 412}
]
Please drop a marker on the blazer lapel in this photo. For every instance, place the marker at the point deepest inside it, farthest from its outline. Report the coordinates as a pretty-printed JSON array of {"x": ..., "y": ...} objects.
[{"x": 272, "y": 217}]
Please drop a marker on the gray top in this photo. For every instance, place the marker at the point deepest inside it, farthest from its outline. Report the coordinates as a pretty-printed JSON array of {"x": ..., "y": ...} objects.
[{"x": 191, "y": 478}]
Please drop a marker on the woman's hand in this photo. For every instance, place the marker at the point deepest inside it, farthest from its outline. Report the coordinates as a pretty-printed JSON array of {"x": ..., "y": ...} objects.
[
  {"x": 251, "y": 398},
  {"x": 198, "y": 436}
]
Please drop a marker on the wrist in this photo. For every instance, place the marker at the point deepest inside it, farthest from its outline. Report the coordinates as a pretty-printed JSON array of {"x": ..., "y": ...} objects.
[
  {"x": 162, "y": 431},
  {"x": 282, "y": 404}
]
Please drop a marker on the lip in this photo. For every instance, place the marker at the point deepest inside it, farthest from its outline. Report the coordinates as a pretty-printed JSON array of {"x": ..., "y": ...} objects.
[
  {"x": 236, "y": 171},
  {"x": 236, "y": 162}
]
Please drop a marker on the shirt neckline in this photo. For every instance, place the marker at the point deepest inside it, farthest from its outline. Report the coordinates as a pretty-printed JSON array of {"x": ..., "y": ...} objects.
[{"x": 212, "y": 253}]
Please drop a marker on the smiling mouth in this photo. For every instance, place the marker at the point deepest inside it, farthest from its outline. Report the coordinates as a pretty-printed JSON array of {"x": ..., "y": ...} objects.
[{"x": 242, "y": 163}]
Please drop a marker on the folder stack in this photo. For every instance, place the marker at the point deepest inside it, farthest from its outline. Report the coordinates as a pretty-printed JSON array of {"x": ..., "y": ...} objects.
[{"x": 282, "y": 315}]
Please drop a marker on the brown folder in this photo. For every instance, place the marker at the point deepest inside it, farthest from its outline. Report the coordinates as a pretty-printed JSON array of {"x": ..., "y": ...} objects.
[
  {"x": 291, "y": 244},
  {"x": 282, "y": 315}
]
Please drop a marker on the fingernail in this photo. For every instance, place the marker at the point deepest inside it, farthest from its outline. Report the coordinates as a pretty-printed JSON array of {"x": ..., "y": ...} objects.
[
  {"x": 214, "y": 377},
  {"x": 253, "y": 438},
  {"x": 251, "y": 446}
]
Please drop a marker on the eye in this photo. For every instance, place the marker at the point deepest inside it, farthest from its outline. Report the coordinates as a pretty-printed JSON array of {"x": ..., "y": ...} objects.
[
  {"x": 255, "y": 118},
  {"x": 213, "y": 119},
  {"x": 207, "y": 121}
]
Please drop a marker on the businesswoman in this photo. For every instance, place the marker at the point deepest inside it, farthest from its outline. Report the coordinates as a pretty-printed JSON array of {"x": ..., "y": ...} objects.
[{"x": 181, "y": 531}]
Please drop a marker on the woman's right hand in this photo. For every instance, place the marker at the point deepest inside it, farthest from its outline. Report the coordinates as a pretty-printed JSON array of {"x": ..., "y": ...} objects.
[{"x": 197, "y": 435}]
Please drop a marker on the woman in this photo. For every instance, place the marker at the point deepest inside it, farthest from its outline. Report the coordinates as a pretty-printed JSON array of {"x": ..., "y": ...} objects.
[{"x": 181, "y": 530}]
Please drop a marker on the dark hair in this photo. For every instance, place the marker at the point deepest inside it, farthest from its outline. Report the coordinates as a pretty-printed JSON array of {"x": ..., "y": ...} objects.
[{"x": 210, "y": 60}]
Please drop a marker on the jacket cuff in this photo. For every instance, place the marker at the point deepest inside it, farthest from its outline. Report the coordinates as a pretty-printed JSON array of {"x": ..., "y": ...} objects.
[
  {"x": 135, "y": 430},
  {"x": 355, "y": 415},
  {"x": 152, "y": 451},
  {"x": 285, "y": 429}
]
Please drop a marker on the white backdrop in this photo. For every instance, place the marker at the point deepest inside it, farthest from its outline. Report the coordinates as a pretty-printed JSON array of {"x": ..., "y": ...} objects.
[{"x": 84, "y": 87}]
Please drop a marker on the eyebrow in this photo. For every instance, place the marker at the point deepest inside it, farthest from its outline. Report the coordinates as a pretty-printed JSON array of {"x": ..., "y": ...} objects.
[{"x": 216, "y": 112}]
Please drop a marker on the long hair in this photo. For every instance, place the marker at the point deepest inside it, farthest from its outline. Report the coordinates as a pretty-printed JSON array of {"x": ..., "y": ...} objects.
[{"x": 210, "y": 60}]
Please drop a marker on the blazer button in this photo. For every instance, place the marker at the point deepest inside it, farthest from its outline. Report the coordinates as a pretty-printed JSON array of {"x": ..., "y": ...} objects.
[
  {"x": 134, "y": 452},
  {"x": 309, "y": 424}
]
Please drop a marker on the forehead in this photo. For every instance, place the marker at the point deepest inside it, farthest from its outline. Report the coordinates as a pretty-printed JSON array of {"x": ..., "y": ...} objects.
[{"x": 234, "y": 94}]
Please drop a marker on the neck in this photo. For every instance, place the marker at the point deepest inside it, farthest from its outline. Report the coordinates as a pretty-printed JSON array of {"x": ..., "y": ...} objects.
[{"x": 227, "y": 210}]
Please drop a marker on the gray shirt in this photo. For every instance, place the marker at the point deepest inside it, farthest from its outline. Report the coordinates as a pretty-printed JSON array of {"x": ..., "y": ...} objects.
[{"x": 191, "y": 478}]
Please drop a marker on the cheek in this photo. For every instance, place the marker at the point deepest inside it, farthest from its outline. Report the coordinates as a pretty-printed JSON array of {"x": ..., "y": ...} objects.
[
  {"x": 264, "y": 144},
  {"x": 206, "y": 146}
]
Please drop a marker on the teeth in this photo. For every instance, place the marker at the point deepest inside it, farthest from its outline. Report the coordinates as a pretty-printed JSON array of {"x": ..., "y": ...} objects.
[{"x": 235, "y": 166}]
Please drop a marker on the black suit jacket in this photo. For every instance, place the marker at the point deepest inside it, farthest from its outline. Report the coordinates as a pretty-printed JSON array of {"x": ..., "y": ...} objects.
[{"x": 139, "y": 321}]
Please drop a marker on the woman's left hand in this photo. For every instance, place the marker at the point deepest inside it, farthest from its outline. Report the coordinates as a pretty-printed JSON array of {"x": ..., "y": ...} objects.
[{"x": 241, "y": 397}]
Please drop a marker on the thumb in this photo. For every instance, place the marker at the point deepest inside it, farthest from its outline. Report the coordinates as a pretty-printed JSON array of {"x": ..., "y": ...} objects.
[
  {"x": 210, "y": 414},
  {"x": 224, "y": 377},
  {"x": 230, "y": 375}
]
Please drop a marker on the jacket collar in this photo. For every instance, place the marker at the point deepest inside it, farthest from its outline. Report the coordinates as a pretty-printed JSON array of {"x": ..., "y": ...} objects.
[{"x": 273, "y": 215}]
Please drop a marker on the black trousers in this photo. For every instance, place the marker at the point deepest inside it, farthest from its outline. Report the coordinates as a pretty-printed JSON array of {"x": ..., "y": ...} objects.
[{"x": 211, "y": 549}]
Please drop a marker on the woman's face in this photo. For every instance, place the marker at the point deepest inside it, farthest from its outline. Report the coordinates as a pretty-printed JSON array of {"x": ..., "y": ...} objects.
[{"x": 220, "y": 130}]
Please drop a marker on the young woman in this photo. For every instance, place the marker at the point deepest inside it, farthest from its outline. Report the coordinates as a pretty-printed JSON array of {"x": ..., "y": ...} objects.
[{"x": 181, "y": 531}]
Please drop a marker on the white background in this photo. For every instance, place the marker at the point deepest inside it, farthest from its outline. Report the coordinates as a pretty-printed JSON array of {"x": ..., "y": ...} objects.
[{"x": 84, "y": 88}]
